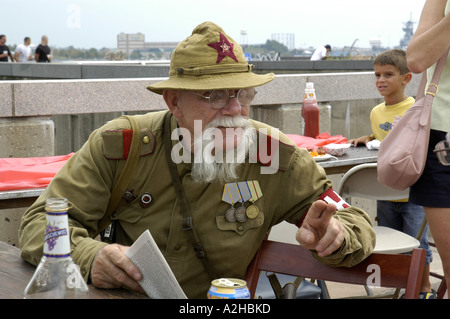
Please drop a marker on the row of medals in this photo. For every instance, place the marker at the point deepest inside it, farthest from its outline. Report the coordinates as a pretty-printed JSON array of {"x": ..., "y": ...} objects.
[{"x": 241, "y": 192}]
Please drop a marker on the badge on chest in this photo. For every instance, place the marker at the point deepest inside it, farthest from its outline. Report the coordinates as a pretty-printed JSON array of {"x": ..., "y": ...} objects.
[{"x": 239, "y": 193}]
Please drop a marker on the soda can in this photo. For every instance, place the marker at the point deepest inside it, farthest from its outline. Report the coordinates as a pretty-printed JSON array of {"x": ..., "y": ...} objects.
[{"x": 228, "y": 288}]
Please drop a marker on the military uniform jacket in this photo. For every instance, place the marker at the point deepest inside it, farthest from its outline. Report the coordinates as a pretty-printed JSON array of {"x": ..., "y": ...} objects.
[{"x": 88, "y": 177}]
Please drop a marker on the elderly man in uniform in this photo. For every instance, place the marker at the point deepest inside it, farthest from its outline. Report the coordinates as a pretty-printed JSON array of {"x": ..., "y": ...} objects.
[{"x": 233, "y": 200}]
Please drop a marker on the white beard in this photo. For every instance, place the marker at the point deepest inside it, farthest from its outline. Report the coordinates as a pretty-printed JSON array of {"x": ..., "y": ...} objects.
[{"x": 213, "y": 164}]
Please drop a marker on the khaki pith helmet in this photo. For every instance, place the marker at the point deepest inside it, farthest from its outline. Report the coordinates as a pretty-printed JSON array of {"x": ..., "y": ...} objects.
[{"x": 207, "y": 60}]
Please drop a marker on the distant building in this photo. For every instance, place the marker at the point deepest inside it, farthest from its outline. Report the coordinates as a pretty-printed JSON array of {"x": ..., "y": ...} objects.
[
  {"x": 288, "y": 39},
  {"x": 375, "y": 43},
  {"x": 129, "y": 42}
]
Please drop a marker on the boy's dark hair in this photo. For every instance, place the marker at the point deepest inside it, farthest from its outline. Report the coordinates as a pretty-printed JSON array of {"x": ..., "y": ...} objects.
[{"x": 394, "y": 57}]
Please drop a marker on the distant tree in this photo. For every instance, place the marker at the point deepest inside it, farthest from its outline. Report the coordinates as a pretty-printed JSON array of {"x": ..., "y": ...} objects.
[
  {"x": 275, "y": 46},
  {"x": 92, "y": 54},
  {"x": 115, "y": 56},
  {"x": 136, "y": 55}
]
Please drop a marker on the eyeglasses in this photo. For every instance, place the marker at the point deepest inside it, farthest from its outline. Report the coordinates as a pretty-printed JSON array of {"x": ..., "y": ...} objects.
[
  {"x": 442, "y": 150},
  {"x": 219, "y": 98}
]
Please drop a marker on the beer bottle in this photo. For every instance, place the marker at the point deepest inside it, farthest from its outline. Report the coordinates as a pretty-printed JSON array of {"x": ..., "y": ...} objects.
[{"x": 56, "y": 276}]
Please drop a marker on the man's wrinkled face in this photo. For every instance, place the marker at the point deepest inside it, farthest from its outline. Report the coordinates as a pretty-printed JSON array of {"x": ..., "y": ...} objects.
[
  {"x": 214, "y": 134},
  {"x": 193, "y": 108}
]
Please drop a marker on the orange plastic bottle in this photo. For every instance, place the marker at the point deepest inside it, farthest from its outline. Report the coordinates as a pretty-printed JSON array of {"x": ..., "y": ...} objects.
[{"x": 310, "y": 112}]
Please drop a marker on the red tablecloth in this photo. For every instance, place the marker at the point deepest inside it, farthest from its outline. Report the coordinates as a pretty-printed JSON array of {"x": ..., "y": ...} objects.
[
  {"x": 34, "y": 172},
  {"x": 30, "y": 172}
]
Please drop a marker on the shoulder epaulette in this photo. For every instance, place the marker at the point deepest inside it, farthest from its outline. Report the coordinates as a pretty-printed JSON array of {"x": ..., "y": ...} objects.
[
  {"x": 117, "y": 137},
  {"x": 117, "y": 143}
]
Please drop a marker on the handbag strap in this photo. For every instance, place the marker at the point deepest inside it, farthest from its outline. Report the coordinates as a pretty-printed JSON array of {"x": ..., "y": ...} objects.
[
  {"x": 432, "y": 89},
  {"x": 186, "y": 222},
  {"x": 435, "y": 79},
  {"x": 126, "y": 174}
]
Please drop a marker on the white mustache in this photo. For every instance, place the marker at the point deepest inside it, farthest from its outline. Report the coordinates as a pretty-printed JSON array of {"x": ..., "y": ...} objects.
[
  {"x": 219, "y": 167},
  {"x": 229, "y": 121}
]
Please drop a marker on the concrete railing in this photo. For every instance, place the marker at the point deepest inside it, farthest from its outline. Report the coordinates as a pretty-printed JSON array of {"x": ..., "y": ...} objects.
[
  {"x": 160, "y": 68},
  {"x": 27, "y": 107}
]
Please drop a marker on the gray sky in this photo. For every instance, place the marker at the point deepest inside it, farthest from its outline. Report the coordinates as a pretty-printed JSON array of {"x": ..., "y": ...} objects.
[{"x": 96, "y": 23}]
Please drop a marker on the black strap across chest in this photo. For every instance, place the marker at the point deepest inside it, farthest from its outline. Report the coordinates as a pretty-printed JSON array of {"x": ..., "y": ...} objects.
[{"x": 187, "y": 221}]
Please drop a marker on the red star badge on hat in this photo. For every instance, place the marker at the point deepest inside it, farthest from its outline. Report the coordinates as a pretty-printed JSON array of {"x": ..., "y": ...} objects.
[{"x": 224, "y": 48}]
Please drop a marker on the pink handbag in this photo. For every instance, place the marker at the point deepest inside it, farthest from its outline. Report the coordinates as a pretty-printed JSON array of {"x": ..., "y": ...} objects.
[{"x": 403, "y": 152}]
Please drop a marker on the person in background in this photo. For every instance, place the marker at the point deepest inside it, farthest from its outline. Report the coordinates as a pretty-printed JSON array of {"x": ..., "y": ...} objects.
[
  {"x": 4, "y": 50},
  {"x": 43, "y": 52},
  {"x": 209, "y": 90},
  {"x": 23, "y": 51},
  {"x": 391, "y": 77},
  {"x": 321, "y": 53},
  {"x": 432, "y": 190}
]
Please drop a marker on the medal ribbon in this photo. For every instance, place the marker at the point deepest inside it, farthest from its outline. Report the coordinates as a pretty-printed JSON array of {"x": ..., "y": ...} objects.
[
  {"x": 236, "y": 192},
  {"x": 231, "y": 193},
  {"x": 244, "y": 191},
  {"x": 255, "y": 190}
]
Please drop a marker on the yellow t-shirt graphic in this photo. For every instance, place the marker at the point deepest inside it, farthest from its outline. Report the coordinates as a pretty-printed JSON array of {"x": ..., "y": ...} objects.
[{"x": 383, "y": 115}]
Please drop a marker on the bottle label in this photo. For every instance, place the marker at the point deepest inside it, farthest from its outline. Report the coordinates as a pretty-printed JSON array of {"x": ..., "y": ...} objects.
[
  {"x": 56, "y": 238},
  {"x": 309, "y": 96}
]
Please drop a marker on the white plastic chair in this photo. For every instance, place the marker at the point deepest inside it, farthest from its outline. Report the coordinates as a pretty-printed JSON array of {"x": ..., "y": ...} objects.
[{"x": 361, "y": 181}]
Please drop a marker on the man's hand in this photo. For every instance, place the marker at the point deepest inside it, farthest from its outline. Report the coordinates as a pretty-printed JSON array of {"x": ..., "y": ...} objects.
[
  {"x": 320, "y": 231},
  {"x": 113, "y": 269}
]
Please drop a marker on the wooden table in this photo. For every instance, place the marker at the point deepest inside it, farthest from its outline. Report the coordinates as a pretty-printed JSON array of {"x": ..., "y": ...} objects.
[
  {"x": 15, "y": 273},
  {"x": 19, "y": 198}
]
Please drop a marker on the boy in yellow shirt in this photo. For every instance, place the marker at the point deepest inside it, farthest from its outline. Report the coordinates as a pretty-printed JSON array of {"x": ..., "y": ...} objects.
[{"x": 391, "y": 77}]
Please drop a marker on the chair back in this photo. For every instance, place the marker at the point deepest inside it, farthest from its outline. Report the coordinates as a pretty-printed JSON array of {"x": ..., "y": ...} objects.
[
  {"x": 361, "y": 181},
  {"x": 395, "y": 270}
]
